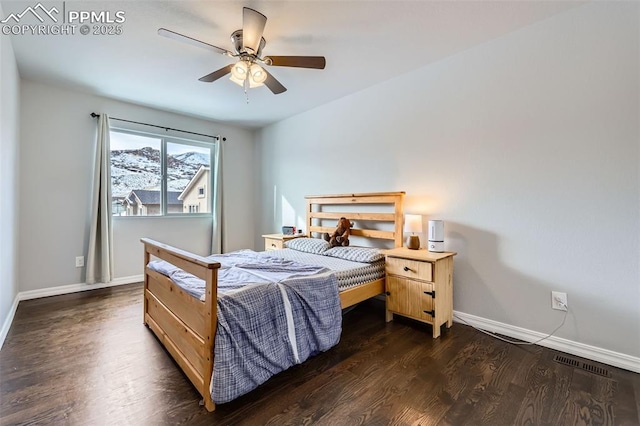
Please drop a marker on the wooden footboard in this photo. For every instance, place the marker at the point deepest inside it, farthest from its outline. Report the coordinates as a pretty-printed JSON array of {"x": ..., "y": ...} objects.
[{"x": 185, "y": 326}]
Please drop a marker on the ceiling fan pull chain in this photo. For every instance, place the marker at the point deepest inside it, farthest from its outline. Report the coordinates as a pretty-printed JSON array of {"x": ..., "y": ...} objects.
[{"x": 246, "y": 87}]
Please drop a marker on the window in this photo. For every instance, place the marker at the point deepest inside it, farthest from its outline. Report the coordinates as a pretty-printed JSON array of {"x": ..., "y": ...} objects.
[{"x": 153, "y": 175}]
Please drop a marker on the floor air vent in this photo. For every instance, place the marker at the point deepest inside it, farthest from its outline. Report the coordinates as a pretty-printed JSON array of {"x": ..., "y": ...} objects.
[
  {"x": 596, "y": 370},
  {"x": 582, "y": 365}
]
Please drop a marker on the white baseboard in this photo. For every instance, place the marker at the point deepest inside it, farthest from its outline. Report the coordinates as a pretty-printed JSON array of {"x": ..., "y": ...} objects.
[
  {"x": 56, "y": 291},
  {"x": 594, "y": 353},
  {"x": 75, "y": 288},
  {"x": 8, "y": 320}
]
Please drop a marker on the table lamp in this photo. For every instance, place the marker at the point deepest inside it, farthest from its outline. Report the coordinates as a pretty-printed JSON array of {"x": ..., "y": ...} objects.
[{"x": 413, "y": 224}]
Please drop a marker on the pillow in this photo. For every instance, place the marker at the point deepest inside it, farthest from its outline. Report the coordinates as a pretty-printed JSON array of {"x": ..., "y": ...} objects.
[
  {"x": 356, "y": 254},
  {"x": 308, "y": 245}
]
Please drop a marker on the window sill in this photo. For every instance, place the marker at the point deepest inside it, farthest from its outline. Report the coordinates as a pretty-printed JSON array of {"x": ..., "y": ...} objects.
[{"x": 169, "y": 216}]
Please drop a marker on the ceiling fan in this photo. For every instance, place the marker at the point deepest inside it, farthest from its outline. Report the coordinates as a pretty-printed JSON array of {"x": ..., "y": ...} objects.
[{"x": 248, "y": 44}]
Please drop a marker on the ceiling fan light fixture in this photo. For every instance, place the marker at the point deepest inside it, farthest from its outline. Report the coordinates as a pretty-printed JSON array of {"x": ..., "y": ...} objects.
[{"x": 242, "y": 71}]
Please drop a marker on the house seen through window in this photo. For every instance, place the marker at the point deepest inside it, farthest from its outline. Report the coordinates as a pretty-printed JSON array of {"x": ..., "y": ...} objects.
[{"x": 155, "y": 175}]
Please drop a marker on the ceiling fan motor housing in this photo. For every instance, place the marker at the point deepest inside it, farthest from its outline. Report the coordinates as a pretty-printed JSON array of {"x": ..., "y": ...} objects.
[{"x": 236, "y": 39}]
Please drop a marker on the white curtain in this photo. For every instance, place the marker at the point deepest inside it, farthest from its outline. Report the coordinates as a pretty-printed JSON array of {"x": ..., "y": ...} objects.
[
  {"x": 100, "y": 253},
  {"x": 217, "y": 231}
]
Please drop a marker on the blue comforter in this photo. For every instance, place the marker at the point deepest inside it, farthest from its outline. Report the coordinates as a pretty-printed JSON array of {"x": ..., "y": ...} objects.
[{"x": 272, "y": 314}]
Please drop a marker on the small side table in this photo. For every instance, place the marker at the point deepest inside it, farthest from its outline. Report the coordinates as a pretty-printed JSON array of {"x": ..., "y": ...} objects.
[
  {"x": 276, "y": 241},
  {"x": 419, "y": 285}
]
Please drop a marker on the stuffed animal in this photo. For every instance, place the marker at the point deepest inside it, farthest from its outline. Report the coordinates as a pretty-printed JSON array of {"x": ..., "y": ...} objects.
[{"x": 340, "y": 236}]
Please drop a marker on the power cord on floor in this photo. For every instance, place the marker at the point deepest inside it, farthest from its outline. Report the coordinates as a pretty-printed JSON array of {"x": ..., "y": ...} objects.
[{"x": 513, "y": 342}]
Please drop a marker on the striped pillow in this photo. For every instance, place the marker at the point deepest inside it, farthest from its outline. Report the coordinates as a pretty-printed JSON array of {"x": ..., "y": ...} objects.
[
  {"x": 308, "y": 245},
  {"x": 356, "y": 254}
]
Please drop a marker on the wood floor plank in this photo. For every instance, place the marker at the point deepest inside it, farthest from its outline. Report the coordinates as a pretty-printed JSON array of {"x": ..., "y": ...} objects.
[
  {"x": 87, "y": 359},
  {"x": 624, "y": 399}
]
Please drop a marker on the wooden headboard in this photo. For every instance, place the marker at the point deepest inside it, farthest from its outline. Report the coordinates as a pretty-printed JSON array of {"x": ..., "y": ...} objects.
[{"x": 386, "y": 200}]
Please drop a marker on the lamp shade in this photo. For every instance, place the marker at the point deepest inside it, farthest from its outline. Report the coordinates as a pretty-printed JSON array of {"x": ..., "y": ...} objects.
[
  {"x": 257, "y": 73},
  {"x": 413, "y": 223},
  {"x": 239, "y": 70}
]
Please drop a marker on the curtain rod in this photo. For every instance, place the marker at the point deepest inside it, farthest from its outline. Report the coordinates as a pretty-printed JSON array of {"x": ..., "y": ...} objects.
[{"x": 94, "y": 115}]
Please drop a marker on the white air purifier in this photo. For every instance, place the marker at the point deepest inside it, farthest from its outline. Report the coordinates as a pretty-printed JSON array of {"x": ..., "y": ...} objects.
[{"x": 436, "y": 236}]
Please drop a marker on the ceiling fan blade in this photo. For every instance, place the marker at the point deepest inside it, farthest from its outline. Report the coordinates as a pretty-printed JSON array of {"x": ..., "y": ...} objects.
[
  {"x": 316, "y": 62},
  {"x": 217, "y": 74},
  {"x": 192, "y": 41},
  {"x": 253, "y": 23},
  {"x": 274, "y": 85}
]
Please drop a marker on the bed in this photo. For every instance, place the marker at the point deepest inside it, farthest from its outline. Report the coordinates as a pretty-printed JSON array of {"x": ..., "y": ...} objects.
[{"x": 187, "y": 325}]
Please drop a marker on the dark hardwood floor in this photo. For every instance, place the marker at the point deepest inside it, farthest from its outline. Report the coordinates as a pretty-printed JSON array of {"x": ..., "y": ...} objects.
[{"x": 86, "y": 359}]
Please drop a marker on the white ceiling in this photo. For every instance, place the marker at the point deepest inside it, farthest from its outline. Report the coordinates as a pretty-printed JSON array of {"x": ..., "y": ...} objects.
[{"x": 364, "y": 42}]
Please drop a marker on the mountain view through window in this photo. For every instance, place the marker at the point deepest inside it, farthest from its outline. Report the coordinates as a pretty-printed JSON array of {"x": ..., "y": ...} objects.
[{"x": 137, "y": 187}]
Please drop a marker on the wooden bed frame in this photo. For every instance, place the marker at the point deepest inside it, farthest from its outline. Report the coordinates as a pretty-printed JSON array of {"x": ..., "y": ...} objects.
[{"x": 186, "y": 326}]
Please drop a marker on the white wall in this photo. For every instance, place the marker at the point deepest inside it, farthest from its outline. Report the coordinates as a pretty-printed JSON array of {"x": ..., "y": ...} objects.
[
  {"x": 57, "y": 148},
  {"x": 527, "y": 147},
  {"x": 9, "y": 137}
]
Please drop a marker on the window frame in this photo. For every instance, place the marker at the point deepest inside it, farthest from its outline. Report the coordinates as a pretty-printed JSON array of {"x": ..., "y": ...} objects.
[{"x": 164, "y": 140}]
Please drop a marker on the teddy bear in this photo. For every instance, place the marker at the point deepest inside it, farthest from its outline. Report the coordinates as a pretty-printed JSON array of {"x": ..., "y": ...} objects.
[{"x": 340, "y": 236}]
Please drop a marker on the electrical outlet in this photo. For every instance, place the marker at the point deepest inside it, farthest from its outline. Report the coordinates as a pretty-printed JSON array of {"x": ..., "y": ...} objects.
[
  {"x": 79, "y": 261},
  {"x": 559, "y": 301}
]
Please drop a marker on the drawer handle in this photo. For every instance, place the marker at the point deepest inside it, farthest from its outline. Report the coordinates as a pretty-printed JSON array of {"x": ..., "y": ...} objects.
[
  {"x": 407, "y": 269},
  {"x": 273, "y": 245},
  {"x": 388, "y": 293}
]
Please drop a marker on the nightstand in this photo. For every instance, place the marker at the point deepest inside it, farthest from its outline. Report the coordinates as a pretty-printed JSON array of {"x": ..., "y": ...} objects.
[
  {"x": 419, "y": 285},
  {"x": 276, "y": 241}
]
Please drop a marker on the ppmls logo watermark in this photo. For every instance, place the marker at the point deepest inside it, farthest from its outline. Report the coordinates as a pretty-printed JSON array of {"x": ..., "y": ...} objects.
[{"x": 40, "y": 20}]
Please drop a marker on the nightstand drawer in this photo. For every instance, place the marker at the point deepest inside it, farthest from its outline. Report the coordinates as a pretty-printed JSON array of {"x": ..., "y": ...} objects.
[
  {"x": 273, "y": 244},
  {"x": 409, "y": 268},
  {"x": 410, "y": 298}
]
